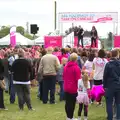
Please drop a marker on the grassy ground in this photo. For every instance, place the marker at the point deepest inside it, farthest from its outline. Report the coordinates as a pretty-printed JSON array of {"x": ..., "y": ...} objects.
[{"x": 45, "y": 112}]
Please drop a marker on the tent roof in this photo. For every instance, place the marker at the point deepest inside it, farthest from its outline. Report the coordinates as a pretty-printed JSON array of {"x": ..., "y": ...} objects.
[
  {"x": 20, "y": 40},
  {"x": 39, "y": 40}
]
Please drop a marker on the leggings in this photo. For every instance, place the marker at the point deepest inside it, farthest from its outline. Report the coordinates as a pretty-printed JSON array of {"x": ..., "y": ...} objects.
[
  {"x": 93, "y": 40},
  {"x": 85, "y": 110},
  {"x": 70, "y": 101}
]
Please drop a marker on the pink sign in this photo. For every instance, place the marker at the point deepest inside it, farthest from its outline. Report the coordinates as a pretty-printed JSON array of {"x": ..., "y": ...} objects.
[
  {"x": 13, "y": 39},
  {"x": 116, "y": 41},
  {"x": 53, "y": 41},
  {"x": 86, "y": 42}
]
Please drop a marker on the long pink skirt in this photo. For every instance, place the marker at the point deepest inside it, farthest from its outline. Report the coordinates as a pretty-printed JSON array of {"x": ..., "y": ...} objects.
[
  {"x": 83, "y": 98},
  {"x": 97, "y": 92}
]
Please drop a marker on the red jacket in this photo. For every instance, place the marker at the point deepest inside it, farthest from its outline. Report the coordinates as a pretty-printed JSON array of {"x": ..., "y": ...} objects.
[{"x": 71, "y": 75}]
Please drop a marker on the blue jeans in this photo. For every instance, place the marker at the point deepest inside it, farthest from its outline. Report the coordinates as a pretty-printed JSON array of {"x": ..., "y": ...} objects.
[
  {"x": 110, "y": 95},
  {"x": 6, "y": 83},
  {"x": 12, "y": 89},
  {"x": 61, "y": 90}
]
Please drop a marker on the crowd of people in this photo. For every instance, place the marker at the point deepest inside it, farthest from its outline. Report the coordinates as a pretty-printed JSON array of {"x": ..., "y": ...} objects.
[{"x": 85, "y": 76}]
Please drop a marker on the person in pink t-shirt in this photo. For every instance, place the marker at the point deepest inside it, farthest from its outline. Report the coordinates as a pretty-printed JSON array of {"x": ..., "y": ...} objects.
[{"x": 63, "y": 55}]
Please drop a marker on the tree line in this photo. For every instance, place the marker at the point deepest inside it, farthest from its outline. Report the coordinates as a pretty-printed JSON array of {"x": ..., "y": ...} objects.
[{"x": 5, "y": 30}]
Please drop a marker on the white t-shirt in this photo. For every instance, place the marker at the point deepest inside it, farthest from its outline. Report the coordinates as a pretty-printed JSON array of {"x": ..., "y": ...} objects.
[
  {"x": 81, "y": 87},
  {"x": 12, "y": 59},
  {"x": 89, "y": 66},
  {"x": 99, "y": 64}
]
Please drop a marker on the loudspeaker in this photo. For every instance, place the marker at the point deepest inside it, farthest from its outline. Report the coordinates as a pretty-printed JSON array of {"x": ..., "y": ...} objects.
[{"x": 34, "y": 28}]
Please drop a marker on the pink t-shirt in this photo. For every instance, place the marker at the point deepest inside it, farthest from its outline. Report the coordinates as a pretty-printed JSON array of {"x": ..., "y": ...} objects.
[{"x": 62, "y": 56}]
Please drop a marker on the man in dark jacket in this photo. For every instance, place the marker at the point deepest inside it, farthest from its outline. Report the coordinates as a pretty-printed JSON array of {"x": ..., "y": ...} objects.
[
  {"x": 22, "y": 71},
  {"x": 80, "y": 36},
  {"x": 111, "y": 83},
  {"x": 6, "y": 74},
  {"x": 2, "y": 87}
]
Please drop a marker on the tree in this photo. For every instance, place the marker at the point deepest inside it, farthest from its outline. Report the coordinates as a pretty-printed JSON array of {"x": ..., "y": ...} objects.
[
  {"x": 3, "y": 27},
  {"x": 28, "y": 36},
  {"x": 110, "y": 36},
  {"x": 4, "y": 31},
  {"x": 20, "y": 30},
  {"x": 109, "y": 41}
]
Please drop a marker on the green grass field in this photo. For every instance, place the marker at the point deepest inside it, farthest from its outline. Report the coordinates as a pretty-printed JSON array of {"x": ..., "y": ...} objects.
[{"x": 46, "y": 112}]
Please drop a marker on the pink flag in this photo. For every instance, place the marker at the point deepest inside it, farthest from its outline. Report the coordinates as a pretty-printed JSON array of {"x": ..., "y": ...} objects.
[{"x": 13, "y": 36}]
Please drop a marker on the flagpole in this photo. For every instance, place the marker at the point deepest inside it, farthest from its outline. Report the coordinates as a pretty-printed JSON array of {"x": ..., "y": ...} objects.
[{"x": 55, "y": 15}]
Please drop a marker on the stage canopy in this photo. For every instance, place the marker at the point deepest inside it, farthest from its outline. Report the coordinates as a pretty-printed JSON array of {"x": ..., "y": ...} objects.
[{"x": 87, "y": 17}]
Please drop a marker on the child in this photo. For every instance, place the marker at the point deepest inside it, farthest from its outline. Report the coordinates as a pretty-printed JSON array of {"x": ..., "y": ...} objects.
[
  {"x": 60, "y": 78},
  {"x": 82, "y": 98}
]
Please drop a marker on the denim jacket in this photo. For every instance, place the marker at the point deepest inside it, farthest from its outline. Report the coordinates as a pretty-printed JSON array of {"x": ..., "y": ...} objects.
[{"x": 60, "y": 74}]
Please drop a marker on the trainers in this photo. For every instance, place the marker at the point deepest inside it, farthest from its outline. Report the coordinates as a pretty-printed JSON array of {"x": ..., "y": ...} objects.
[
  {"x": 4, "y": 109},
  {"x": 85, "y": 118},
  {"x": 32, "y": 109},
  {"x": 79, "y": 118},
  {"x": 52, "y": 102}
]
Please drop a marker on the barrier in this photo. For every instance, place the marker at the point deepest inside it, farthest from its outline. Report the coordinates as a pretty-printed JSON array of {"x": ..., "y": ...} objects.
[
  {"x": 53, "y": 41},
  {"x": 59, "y": 41},
  {"x": 86, "y": 42},
  {"x": 116, "y": 41}
]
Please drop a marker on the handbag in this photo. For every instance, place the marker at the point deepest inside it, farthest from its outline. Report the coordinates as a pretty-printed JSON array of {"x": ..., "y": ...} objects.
[{"x": 2, "y": 84}]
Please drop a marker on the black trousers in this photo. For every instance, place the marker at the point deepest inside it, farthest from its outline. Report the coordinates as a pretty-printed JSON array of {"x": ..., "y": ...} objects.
[
  {"x": 41, "y": 90},
  {"x": 93, "y": 41},
  {"x": 49, "y": 85},
  {"x": 23, "y": 93},
  {"x": 85, "y": 110},
  {"x": 80, "y": 38},
  {"x": 70, "y": 101},
  {"x": 1, "y": 99}
]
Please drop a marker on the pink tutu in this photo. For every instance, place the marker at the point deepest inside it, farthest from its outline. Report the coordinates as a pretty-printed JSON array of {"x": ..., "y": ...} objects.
[
  {"x": 83, "y": 98},
  {"x": 97, "y": 92}
]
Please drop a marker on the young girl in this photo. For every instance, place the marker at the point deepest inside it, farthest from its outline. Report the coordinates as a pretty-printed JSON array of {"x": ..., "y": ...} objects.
[{"x": 82, "y": 98}]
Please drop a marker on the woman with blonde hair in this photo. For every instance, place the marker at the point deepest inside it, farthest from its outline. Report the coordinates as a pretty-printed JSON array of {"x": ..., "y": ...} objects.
[{"x": 71, "y": 75}]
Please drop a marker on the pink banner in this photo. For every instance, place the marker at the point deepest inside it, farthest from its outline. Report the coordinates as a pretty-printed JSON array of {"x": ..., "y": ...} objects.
[
  {"x": 116, "y": 41},
  {"x": 96, "y": 17},
  {"x": 13, "y": 39},
  {"x": 86, "y": 42},
  {"x": 53, "y": 41}
]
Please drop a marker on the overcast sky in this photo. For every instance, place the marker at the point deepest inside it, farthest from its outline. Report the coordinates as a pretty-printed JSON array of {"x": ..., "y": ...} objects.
[{"x": 41, "y": 12}]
